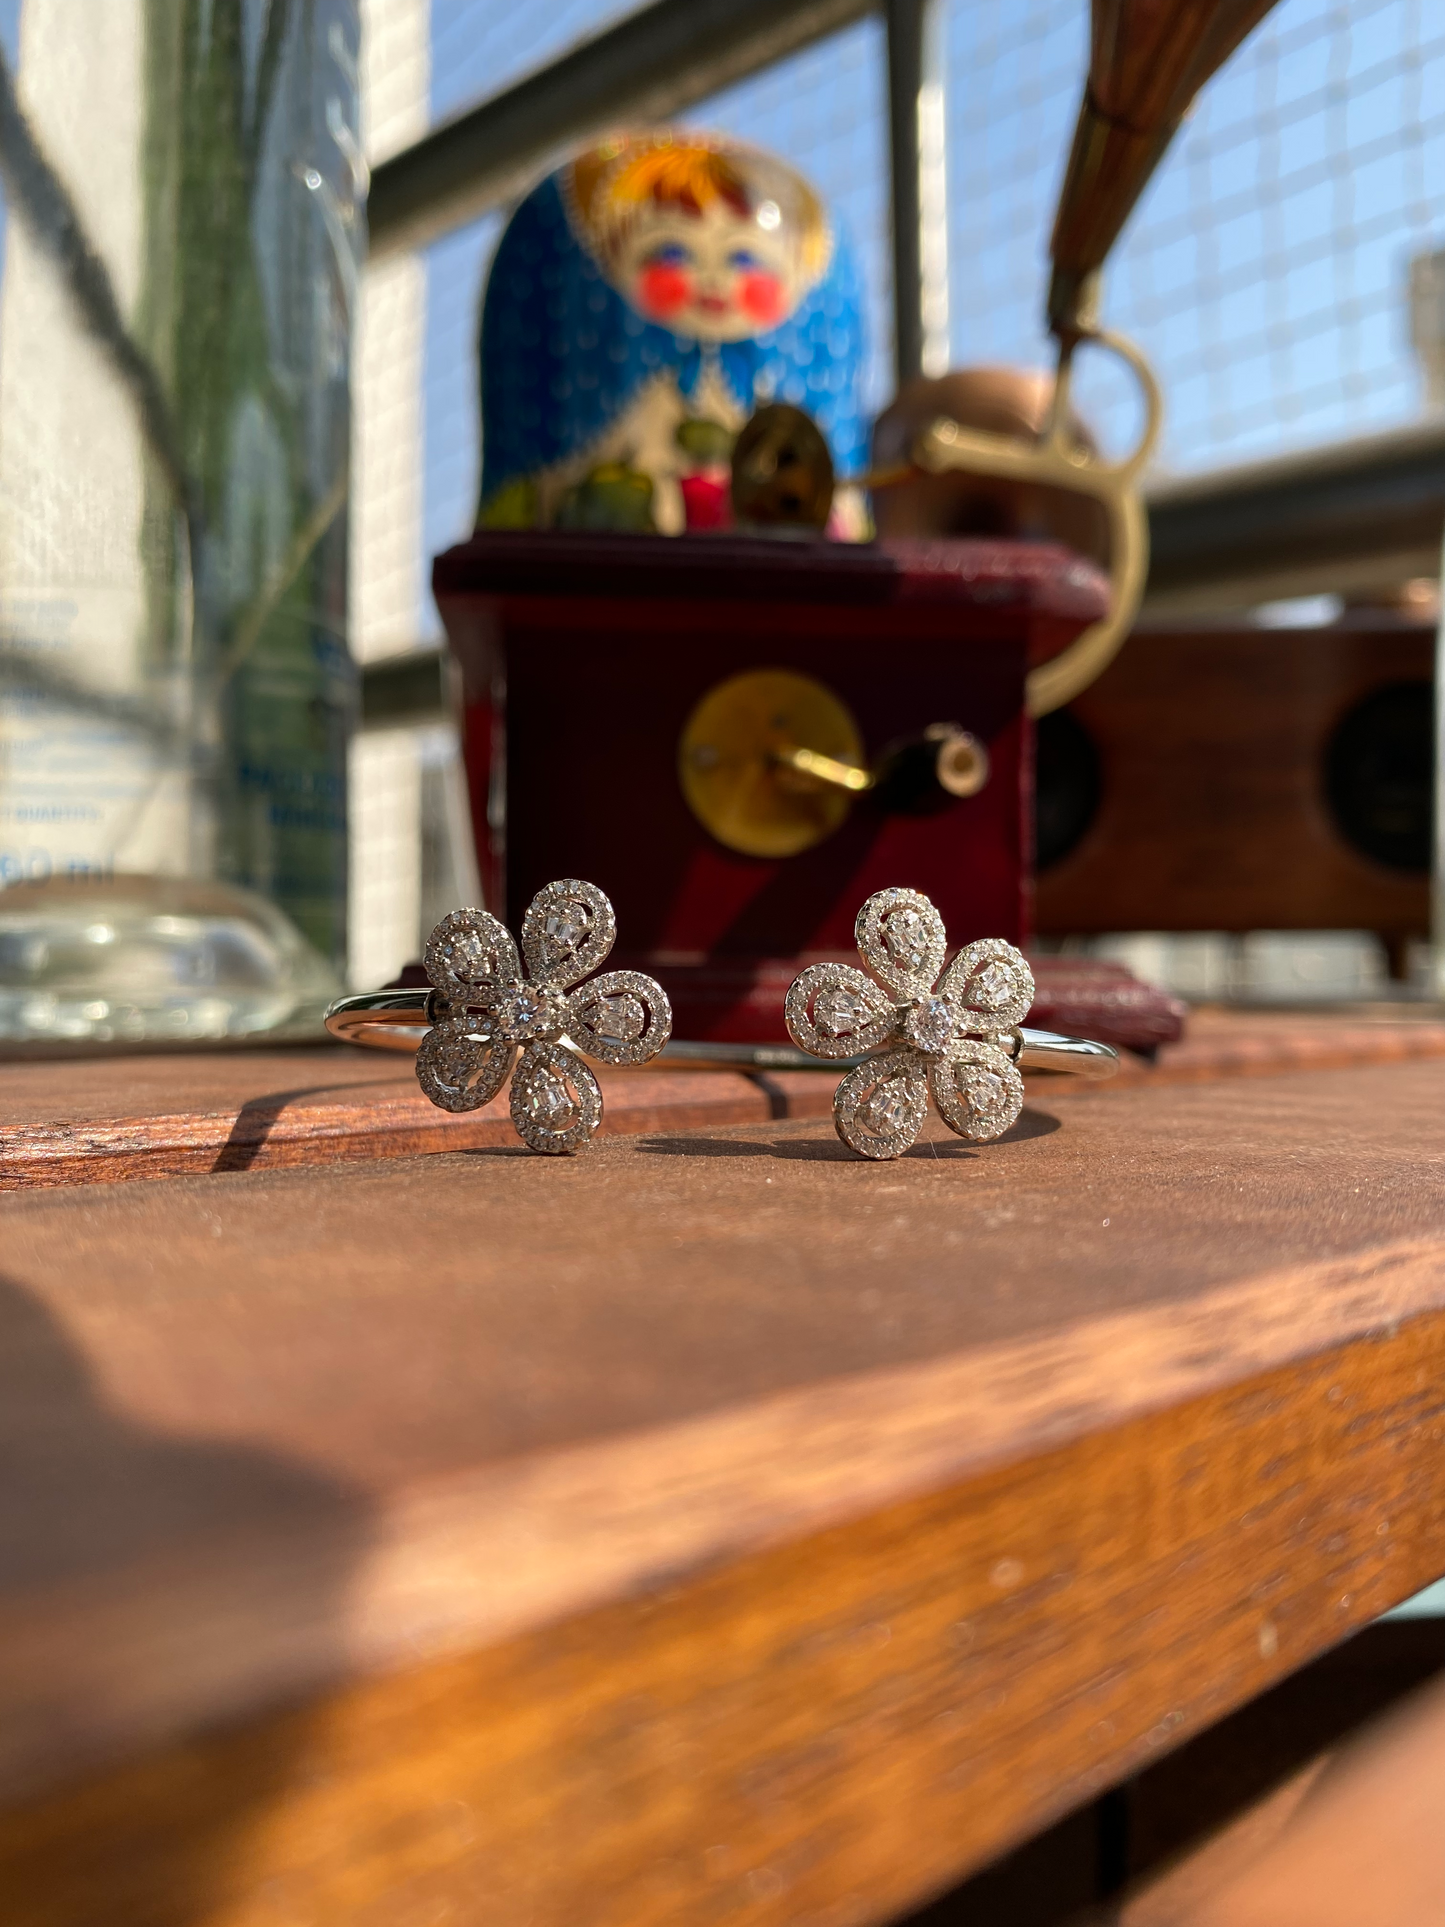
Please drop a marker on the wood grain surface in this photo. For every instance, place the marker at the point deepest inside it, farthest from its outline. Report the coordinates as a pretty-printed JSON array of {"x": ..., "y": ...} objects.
[
  {"x": 103, "y": 1122},
  {"x": 713, "y": 1528},
  {"x": 110, "y": 1120}
]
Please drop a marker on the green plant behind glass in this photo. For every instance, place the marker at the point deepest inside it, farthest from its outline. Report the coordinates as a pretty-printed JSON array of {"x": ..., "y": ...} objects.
[{"x": 249, "y": 274}]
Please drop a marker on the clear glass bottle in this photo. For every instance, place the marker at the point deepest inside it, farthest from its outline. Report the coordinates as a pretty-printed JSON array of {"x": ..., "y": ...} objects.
[{"x": 183, "y": 187}]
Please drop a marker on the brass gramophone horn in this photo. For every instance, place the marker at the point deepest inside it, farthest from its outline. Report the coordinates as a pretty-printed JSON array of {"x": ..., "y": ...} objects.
[{"x": 1147, "y": 61}]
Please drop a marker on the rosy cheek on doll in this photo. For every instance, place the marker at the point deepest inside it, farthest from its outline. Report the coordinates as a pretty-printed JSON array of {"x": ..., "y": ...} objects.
[
  {"x": 760, "y": 295},
  {"x": 663, "y": 289}
]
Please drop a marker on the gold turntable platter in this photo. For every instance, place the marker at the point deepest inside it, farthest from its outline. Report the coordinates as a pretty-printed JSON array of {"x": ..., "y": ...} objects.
[{"x": 736, "y": 762}]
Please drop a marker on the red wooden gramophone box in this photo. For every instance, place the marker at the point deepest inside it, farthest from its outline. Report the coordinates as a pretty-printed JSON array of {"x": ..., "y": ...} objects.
[{"x": 739, "y": 738}]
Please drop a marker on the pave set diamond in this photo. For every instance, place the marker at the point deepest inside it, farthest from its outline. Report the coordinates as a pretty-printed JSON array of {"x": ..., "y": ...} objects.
[
  {"x": 468, "y": 957},
  {"x": 921, "y": 1030},
  {"x": 565, "y": 926},
  {"x": 905, "y": 934},
  {"x": 839, "y": 1012},
  {"x": 994, "y": 986},
  {"x": 890, "y": 1106},
  {"x": 549, "y": 1100},
  {"x": 620, "y": 1019},
  {"x": 486, "y": 1010}
]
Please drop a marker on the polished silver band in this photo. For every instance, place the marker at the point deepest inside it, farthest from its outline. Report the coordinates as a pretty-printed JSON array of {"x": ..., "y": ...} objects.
[
  {"x": 1046, "y": 1050},
  {"x": 398, "y": 1019},
  {"x": 382, "y": 1019}
]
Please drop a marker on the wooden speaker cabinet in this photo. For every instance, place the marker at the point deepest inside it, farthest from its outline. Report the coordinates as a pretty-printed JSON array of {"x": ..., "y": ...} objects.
[{"x": 1244, "y": 778}]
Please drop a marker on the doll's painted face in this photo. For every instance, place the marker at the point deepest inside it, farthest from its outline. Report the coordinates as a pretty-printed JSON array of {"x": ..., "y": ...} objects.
[
  {"x": 716, "y": 275},
  {"x": 716, "y": 241}
]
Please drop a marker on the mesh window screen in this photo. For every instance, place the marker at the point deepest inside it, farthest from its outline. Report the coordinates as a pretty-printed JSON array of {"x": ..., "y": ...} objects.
[
  {"x": 1265, "y": 272},
  {"x": 827, "y": 109},
  {"x": 1266, "y": 269}
]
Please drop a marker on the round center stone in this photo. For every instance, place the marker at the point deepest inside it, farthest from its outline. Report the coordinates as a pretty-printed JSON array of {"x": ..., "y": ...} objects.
[
  {"x": 524, "y": 1013},
  {"x": 906, "y": 936},
  {"x": 931, "y": 1025},
  {"x": 839, "y": 1012},
  {"x": 890, "y": 1108},
  {"x": 994, "y": 986}
]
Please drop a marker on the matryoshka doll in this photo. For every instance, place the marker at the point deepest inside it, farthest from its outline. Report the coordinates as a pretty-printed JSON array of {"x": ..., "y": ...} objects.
[{"x": 644, "y": 299}]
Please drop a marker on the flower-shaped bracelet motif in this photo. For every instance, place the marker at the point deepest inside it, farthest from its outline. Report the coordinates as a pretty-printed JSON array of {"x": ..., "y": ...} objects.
[
  {"x": 953, "y": 1035},
  {"x": 483, "y": 1011}
]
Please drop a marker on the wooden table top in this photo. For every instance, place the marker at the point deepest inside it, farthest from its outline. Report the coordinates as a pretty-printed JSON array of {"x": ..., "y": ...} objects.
[
  {"x": 710, "y": 1528},
  {"x": 103, "y": 1120}
]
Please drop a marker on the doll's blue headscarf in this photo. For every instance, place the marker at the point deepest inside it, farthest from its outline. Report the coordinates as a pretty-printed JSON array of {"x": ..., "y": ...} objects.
[{"x": 562, "y": 354}]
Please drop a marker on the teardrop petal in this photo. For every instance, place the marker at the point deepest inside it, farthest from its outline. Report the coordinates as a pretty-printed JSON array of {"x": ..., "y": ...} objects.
[
  {"x": 833, "y": 1010},
  {"x": 992, "y": 982},
  {"x": 567, "y": 933},
  {"x": 461, "y": 1065},
  {"x": 556, "y": 1105},
  {"x": 880, "y": 1106},
  {"x": 901, "y": 939},
  {"x": 978, "y": 1090},
  {"x": 620, "y": 1018},
  {"x": 469, "y": 954}
]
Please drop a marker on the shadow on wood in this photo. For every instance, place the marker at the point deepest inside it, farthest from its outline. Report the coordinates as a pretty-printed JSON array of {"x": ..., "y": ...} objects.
[{"x": 92, "y": 1502}]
